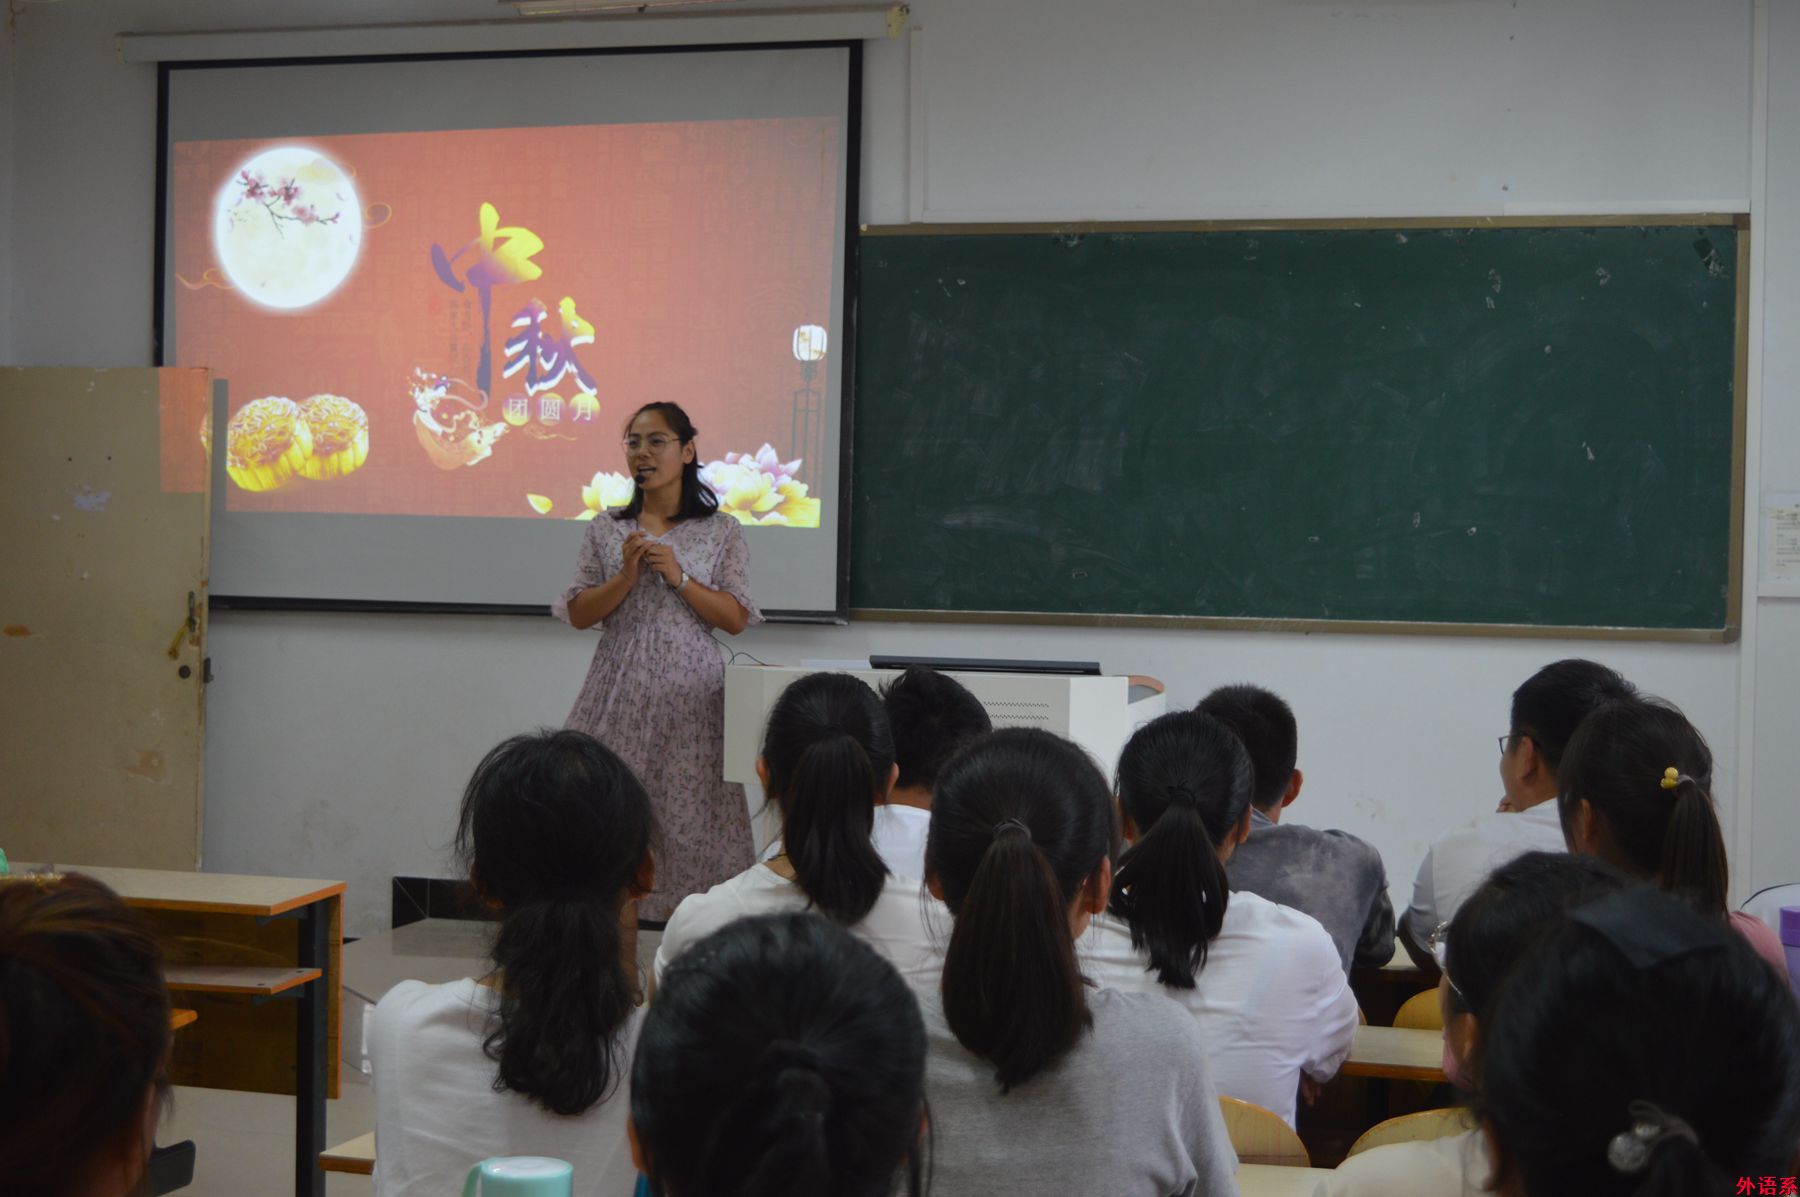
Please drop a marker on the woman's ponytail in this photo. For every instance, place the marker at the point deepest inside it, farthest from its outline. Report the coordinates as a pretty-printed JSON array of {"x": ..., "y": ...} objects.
[
  {"x": 1693, "y": 856},
  {"x": 1645, "y": 773},
  {"x": 1020, "y": 823},
  {"x": 1012, "y": 988},
  {"x": 789, "y": 1106},
  {"x": 555, "y": 831},
  {"x": 1172, "y": 891},
  {"x": 1185, "y": 780},
  {"x": 828, "y": 752},
  {"x": 564, "y": 995},
  {"x": 826, "y": 825}
]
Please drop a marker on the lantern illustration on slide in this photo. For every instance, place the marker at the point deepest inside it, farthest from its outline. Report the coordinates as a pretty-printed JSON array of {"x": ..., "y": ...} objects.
[{"x": 808, "y": 441}]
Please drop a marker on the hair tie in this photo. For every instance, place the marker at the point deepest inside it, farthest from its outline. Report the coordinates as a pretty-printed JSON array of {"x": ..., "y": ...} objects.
[
  {"x": 1180, "y": 793},
  {"x": 1630, "y": 1150},
  {"x": 1011, "y": 826},
  {"x": 798, "y": 1078},
  {"x": 1672, "y": 777}
]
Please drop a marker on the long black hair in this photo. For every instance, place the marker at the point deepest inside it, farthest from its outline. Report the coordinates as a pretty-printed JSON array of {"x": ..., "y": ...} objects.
[
  {"x": 1617, "y": 762},
  {"x": 1186, "y": 781},
  {"x": 1020, "y": 821},
  {"x": 554, "y": 830},
  {"x": 829, "y": 752},
  {"x": 1639, "y": 1010},
  {"x": 782, "y": 1056},
  {"x": 697, "y": 498}
]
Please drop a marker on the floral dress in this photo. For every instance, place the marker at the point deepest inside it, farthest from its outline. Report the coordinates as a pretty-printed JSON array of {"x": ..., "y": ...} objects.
[{"x": 655, "y": 694}]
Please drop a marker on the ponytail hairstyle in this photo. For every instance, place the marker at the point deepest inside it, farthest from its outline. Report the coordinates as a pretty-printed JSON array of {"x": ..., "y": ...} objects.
[
  {"x": 1020, "y": 821},
  {"x": 1640, "y": 1049},
  {"x": 697, "y": 498},
  {"x": 554, "y": 831},
  {"x": 828, "y": 752},
  {"x": 84, "y": 1034},
  {"x": 782, "y": 1056},
  {"x": 1186, "y": 782},
  {"x": 1657, "y": 826}
]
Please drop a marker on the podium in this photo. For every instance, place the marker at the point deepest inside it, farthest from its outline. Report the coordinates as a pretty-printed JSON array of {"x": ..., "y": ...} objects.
[{"x": 1098, "y": 713}]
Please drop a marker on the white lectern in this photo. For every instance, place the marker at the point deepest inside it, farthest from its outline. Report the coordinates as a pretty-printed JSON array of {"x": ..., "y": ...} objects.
[{"x": 1098, "y": 713}]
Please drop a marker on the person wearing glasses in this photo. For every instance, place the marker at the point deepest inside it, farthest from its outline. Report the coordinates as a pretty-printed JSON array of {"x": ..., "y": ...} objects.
[
  {"x": 659, "y": 576},
  {"x": 1546, "y": 710},
  {"x": 1475, "y": 953}
]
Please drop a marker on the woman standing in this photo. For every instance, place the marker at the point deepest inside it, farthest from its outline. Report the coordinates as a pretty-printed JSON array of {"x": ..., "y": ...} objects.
[{"x": 659, "y": 576}]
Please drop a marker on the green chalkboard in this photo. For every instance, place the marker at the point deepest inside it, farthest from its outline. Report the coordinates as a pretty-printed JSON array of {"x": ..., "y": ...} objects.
[{"x": 1483, "y": 426}]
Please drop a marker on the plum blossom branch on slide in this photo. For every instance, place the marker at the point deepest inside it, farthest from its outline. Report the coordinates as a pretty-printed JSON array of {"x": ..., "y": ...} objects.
[{"x": 285, "y": 194}]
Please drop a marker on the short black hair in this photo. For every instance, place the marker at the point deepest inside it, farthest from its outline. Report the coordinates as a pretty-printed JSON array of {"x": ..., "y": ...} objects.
[
  {"x": 1266, "y": 726},
  {"x": 933, "y": 717},
  {"x": 1552, "y": 702}
]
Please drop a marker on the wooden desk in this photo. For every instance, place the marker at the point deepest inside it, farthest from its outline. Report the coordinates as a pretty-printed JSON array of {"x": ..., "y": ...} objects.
[
  {"x": 259, "y": 960},
  {"x": 1271, "y": 1180},
  {"x": 357, "y": 1156},
  {"x": 1380, "y": 991},
  {"x": 1396, "y": 1053}
]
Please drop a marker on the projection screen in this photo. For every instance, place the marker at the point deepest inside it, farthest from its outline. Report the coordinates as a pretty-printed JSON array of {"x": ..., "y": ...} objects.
[{"x": 437, "y": 289}]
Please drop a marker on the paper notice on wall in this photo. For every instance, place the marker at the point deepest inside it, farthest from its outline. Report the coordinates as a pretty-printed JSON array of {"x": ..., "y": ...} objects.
[{"x": 1780, "y": 572}]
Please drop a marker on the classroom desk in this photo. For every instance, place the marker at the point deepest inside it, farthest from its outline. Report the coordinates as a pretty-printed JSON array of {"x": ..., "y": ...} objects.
[
  {"x": 356, "y": 1157},
  {"x": 1380, "y": 991},
  {"x": 258, "y": 959},
  {"x": 1397, "y": 1054},
  {"x": 1273, "y": 1180},
  {"x": 1254, "y": 1180}
]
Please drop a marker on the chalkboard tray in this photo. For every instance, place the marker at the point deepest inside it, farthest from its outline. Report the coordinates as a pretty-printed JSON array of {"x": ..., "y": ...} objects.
[{"x": 1525, "y": 427}]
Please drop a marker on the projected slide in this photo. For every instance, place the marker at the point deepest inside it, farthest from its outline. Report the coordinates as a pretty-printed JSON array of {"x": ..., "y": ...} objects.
[
  {"x": 458, "y": 323},
  {"x": 434, "y": 291}
]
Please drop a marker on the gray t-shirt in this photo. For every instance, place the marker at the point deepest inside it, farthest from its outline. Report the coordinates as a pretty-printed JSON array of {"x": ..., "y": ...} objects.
[
  {"x": 1130, "y": 1109},
  {"x": 1331, "y": 875}
]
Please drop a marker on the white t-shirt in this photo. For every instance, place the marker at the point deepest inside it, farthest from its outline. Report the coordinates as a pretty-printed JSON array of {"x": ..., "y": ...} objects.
[
  {"x": 898, "y": 835},
  {"x": 906, "y": 924},
  {"x": 1461, "y": 862},
  {"x": 1452, "y": 1166},
  {"x": 437, "y": 1114},
  {"x": 1272, "y": 999}
]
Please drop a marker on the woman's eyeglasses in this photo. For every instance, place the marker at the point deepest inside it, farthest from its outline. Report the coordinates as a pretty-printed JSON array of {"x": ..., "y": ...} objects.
[{"x": 656, "y": 444}]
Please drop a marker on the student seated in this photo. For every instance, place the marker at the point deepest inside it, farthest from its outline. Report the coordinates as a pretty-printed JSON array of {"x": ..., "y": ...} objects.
[
  {"x": 1522, "y": 901},
  {"x": 84, "y": 1035},
  {"x": 1263, "y": 982},
  {"x": 827, "y": 760},
  {"x": 1636, "y": 792},
  {"x": 933, "y": 716},
  {"x": 1546, "y": 710},
  {"x": 1038, "y": 1082},
  {"x": 1333, "y": 876},
  {"x": 555, "y": 832},
  {"x": 782, "y": 1056},
  {"x": 1641, "y": 1049}
]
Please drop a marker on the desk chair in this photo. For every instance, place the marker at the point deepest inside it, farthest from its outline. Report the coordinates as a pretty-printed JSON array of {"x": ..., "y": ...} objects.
[
  {"x": 1413, "y": 1128},
  {"x": 1421, "y": 1012},
  {"x": 1260, "y": 1136}
]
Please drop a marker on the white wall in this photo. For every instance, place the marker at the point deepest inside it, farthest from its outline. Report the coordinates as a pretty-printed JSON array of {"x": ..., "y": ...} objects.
[{"x": 338, "y": 744}]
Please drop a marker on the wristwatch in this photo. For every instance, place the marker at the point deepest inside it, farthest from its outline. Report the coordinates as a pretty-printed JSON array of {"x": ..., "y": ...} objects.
[{"x": 683, "y": 582}]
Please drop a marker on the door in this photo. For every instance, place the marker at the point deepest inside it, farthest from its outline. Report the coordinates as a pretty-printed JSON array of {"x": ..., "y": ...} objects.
[{"x": 103, "y": 614}]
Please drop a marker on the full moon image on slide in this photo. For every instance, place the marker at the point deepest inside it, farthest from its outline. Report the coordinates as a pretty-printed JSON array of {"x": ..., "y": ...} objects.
[{"x": 287, "y": 227}]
